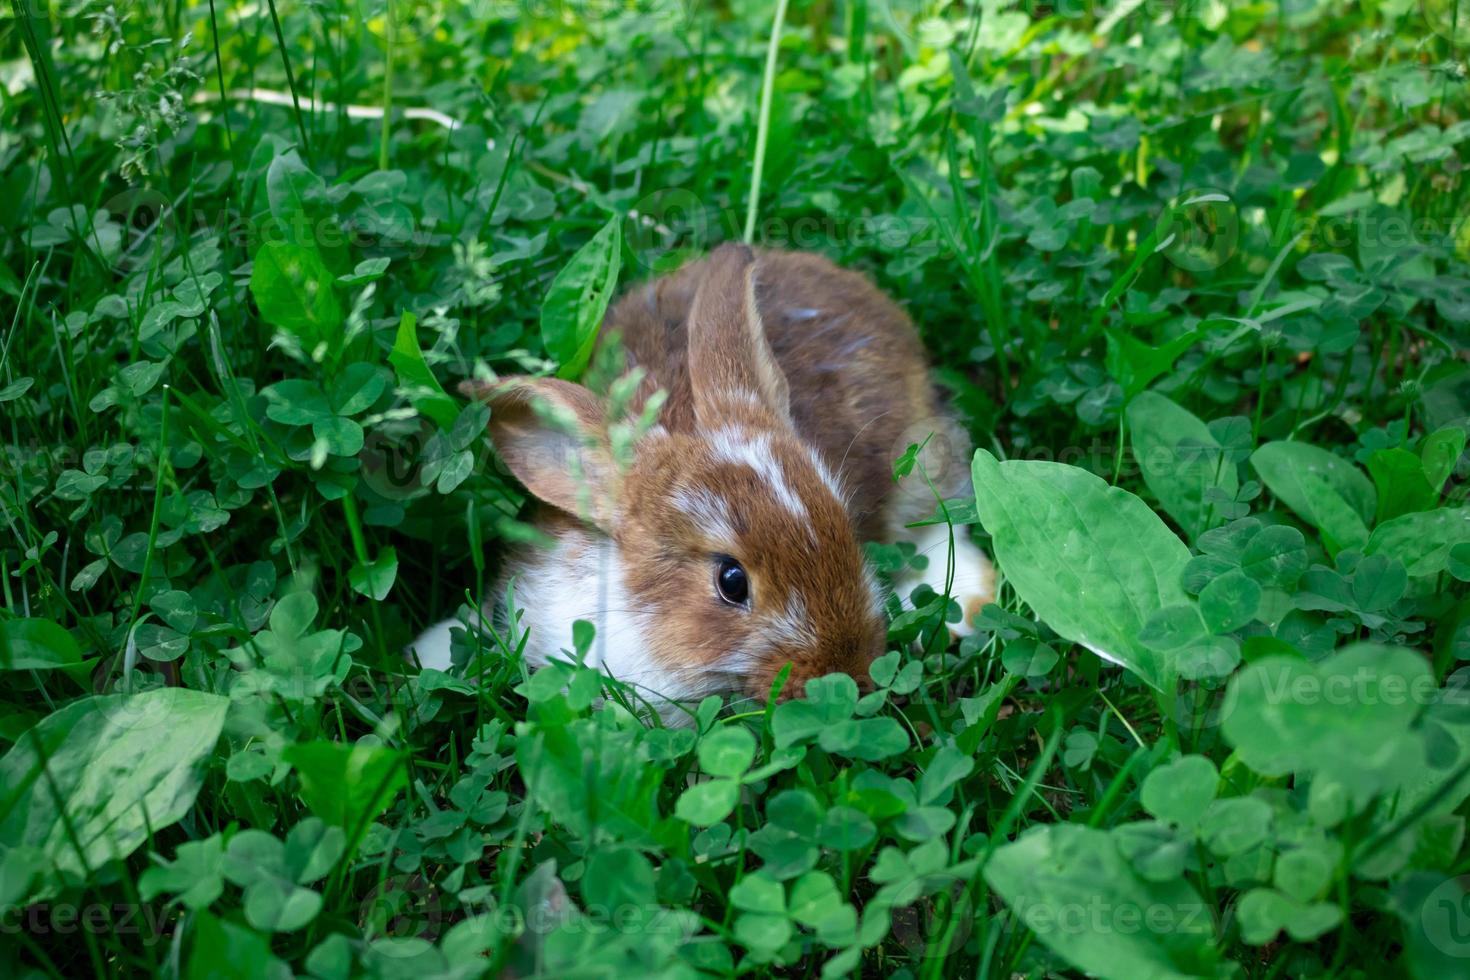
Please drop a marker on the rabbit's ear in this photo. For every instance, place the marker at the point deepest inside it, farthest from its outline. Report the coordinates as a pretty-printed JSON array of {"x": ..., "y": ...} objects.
[
  {"x": 731, "y": 365},
  {"x": 552, "y": 434}
]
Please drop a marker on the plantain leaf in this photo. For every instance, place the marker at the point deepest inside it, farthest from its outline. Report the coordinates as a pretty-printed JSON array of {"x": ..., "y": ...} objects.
[
  {"x": 117, "y": 769},
  {"x": 425, "y": 392},
  {"x": 1092, "y": 560},
  {"x": 574, "y": 306},
  {"x": 1180, "y": 460},
  {"x": 1325, "y": 490},
  {"x": 36, "y": 644},
  {"x": 293, "y": 290},
  {"x": 1422, "y": 541},
  {"x": 1072, "y": 888}
]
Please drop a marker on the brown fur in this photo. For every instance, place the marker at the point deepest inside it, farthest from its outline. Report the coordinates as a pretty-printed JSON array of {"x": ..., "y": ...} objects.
[
  {"x": 782, "y": 371},
  {"x": 855, "y": 369}
]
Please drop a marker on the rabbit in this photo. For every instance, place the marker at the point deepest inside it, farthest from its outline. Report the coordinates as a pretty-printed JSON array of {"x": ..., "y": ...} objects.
[{"x": 729, "y": 543}]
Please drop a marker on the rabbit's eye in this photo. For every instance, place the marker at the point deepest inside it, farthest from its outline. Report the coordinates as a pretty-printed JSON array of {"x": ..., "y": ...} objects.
[{"x": 731, "y": 581}]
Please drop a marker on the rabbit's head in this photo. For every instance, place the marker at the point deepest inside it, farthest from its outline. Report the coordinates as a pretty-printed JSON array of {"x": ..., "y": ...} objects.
[{"x": 735, "y": 550}]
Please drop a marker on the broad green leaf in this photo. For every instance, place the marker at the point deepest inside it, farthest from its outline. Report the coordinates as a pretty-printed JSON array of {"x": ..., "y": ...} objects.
[
  {"x": 1402, "y": 485},
  {"x": 357, "y": 387},
  {"x": 1235, "y": 824},
  {"x": 273, "y": 873},
  {"x": 1422, "y": 541},
  {"x": 1155, "y": 851},
  {"x": 1092, "y": 560},
  {"x": 617, "y": 879},
  {"x": 1276, "y": 556},
  {"x": 948, "y": 767},
  {"x": 121, "y": 768},
  {"x": 1180, "y": 460},
  {"x": 878, "y": 738},
  {"x": 1180, "y": 791},
  {"x": 828, "y": 702},
  {"x": 291, "y": 188},
  {"x": 588, "y": 777},
  {"x": 195, "y": 874},
  {"x": 425, "y": 392},
  {"x": 1134, "y": 364},
  {"x": 1304, "y": 872},
  {"x": 1378, "y": 582},
  {"x": 1069, "y": 885},
  {"x": 293, "y": 290},
  {"x": 727, "y": 751},
  {"x": 347, "y": 785},
  {"x": 574, "y": 306},
  {"x": 36, "y": 644},
  {"x": 1439, "y": 453},
  {"x": 341, "y": 436},
  {"x": 1174, "y": 628},
  {"x": 1457, "y": 563},
  {"x": 375, "y": 579},
  {"x": 1347, "y": 718},
  {"x": 296, "y": 401},
  {"x": 1324, "y": 489},
  {"x": 1264, "y": 912},
  {"x": 160, "y": 643},
  {"x": 455, "y": 471},
  {"x": 758, "y": 893},
  {"x": 762, "y": 934},
  {"x": 708, "y": 802},
  {"x": 1229, "y": 602},
  {"x": 16, "y": 389},
  {"x": 815, "y": 899},
  {"x": 1026, "y": 657},
  {"x": 223, "y": 950}
]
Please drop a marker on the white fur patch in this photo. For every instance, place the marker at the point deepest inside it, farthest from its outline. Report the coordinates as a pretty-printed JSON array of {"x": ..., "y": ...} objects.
[
  {"x": 974, "y": 576},
  {"x": 792, "y": 626},
  {"x": 582, "y": 578},
  {"x": 831, "y": 482},
  {"x": 732, "y": 445},
  {"x": 710, "y": 514},
  {"x": 875, "y": 589},
  {"x": 579, "y": 578},
  {"x": 432, "y": 645}
]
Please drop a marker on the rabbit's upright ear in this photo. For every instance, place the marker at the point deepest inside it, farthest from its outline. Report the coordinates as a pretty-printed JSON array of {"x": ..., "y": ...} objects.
[
  {"x": 552, "y": 434},
  {"x": 731, "y": 365}
]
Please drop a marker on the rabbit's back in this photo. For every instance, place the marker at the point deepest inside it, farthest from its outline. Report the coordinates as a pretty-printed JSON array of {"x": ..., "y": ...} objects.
[{"x": 859, "y": 383}]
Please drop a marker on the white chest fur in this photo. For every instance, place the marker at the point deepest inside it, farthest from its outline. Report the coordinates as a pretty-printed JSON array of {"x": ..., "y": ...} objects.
[{"x": 549, "y": 589}]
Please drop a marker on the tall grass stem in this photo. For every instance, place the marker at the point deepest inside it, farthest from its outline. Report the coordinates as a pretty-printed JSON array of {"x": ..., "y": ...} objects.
[{"x": 763, "y": 125}]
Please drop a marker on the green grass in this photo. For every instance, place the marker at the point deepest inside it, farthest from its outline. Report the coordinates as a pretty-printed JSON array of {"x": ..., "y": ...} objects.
[{"x": 1196, "y": 275}]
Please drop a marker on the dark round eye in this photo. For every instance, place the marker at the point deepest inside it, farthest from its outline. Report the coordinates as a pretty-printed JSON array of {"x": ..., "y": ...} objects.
[{"x": 731, "y": 582}]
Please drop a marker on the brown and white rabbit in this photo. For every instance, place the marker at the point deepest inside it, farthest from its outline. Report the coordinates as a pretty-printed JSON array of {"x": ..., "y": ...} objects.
[{"x": 727, "y": 543}]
